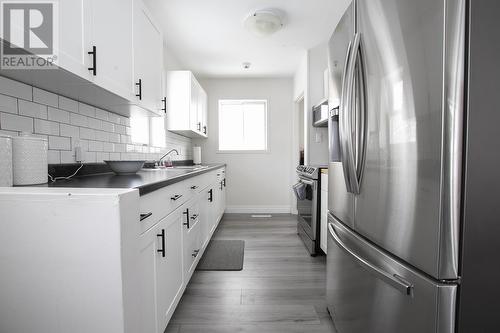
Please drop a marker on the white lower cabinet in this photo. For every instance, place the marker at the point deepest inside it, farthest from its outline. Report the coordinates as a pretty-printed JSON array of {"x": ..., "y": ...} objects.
[
  {"x": 186, "y": 232},
  {"x": 161, "y": 268},
  {"x": 123, "y": 272}
]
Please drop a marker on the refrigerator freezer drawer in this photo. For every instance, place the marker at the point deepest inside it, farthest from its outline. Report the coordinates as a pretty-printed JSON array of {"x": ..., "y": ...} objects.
[{"x": 369, "y": 291}]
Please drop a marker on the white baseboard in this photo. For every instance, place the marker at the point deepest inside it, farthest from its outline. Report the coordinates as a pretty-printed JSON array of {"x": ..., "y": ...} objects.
[{"x": 258, "y": 209}]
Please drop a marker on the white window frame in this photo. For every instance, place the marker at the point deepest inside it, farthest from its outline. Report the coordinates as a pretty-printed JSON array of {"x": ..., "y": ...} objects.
[{"x": 243, "y": 151}]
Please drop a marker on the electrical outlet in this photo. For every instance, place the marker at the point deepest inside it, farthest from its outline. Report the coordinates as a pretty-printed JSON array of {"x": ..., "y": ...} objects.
[{"x": 78, "y": 154}]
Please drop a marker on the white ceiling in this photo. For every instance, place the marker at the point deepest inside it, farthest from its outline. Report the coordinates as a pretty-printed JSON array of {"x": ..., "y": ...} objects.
[{"x": 208, "y": 36}]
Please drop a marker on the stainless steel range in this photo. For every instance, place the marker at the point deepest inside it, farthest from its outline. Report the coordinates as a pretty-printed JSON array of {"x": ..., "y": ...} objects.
[{"x": 307, "y": 191}]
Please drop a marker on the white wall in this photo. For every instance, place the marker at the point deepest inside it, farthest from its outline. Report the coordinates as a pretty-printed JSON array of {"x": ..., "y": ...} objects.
[
  {"x": 256, "y": 182},
  {"x": 318, "y": 62}
]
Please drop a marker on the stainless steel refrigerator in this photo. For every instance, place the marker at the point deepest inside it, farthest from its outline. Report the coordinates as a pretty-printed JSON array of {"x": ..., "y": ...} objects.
[{"x": 398, "y": 126}]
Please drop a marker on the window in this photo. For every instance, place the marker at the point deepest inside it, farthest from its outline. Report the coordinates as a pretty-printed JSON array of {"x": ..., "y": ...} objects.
[
  {"x": 242, "y": 125},
  {"x": 139, "y": 127}
]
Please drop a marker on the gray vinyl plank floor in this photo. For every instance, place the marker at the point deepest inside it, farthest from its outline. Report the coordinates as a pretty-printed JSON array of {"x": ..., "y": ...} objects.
[{"x": 281, "y": 288}]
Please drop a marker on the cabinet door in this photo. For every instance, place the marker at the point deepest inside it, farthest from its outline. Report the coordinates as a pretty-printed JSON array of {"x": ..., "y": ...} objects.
[
  {"x": 193, "y": 109},
  {"x": 74, "y": 37},
  {"x": 148, "y": 59},
  {"x": 205, "y": 198},
  {"x": 161, "y": 267},
  {"x": 202, "y": 113},
  {"x": 112, "y": 34},
  {"x": 191, "y": 245},
  {"x": 169, "y": 273}
]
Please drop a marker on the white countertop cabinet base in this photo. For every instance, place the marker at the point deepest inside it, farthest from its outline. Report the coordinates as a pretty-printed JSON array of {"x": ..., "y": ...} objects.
[{"x": 80, "y": 260}]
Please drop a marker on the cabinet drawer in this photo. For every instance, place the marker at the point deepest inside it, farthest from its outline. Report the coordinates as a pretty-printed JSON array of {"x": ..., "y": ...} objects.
[
  {"x": 197, "y": 184},
  {"x": 162, "y": 202}
]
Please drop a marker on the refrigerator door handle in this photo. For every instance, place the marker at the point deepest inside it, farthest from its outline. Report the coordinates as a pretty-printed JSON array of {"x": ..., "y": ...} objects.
[
  {"x": 393, "y": 280},
  {"x": 343, "y": 132},
  {"x": 354, "y": 159}
]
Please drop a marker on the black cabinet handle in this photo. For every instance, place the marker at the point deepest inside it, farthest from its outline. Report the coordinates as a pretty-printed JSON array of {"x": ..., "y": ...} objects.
[
  {"x": 139, "y": 85},
  {"x": 199, "y": 127},
  {"x": 164, "y": 100},
  {"x": 195, "y": 253},
  {"x": 145, "y": 216},
  {"x": 211, "y": 197},
  {"x": 176, "y": 197},
  {"x": 194, "y": 216},
  {"x": 93, "y": 53},
  {"x": 162, "y": 250},
  {"x": 187, "y": 218},
  {"x": 204, "y": 129},
  {"x": 220, "y": 185},
  {"x": 224, "y": 182},
  {"x": 194, "y": 187}
]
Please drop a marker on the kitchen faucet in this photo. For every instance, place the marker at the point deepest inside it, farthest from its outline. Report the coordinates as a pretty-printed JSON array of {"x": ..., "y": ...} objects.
[{"x": 170, "y": 151}]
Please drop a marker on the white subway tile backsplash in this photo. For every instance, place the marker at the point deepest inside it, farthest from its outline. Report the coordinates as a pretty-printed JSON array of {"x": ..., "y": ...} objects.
[
  {"x": 46, "y": 127},
  {"x": 90, "y": 157},
  {"x": 100, "y": 157},
  {"x": 45, "y": 97},
  {"x": 54, "y": 157},
  {"x": 16, "y": 123},
  {"x": 83, "y": 144},
  {"x": 59, "y": 115},
  {"x": 125, "y": 139},
  {"x": 108, "y": 146},
  {"x": 79, "y": 120},
  {"x": 59, "y": 142},
  {"x": 15, "y": 89},
  {"x": 11, "y": 133},
  {"x": 120, "y": 147},
  {"x": 67, "y": 124},
  {"x": 101, "y": 114},
  {"x": 95, "y": 123},
  {"x": 31, "y": 109},
  {"x": 67, "y": 157},
  {"x": 87, "y": 133},
  {"x": 114, "y": 156},
  {"x": 95, "y": 146},
  {"x": 8, "y": 104},
  {"x": 108, "y": 127},
  {"x": 114, "y": 118},
  {"x": 68, "y": 104},
  {"x": 86, "y": 110},
  {"x": 101, "y": 136},
  {"x": 120, "y": 129},
  {"x": 70, "y": 131},
  {"x": 114, "y": 137}
]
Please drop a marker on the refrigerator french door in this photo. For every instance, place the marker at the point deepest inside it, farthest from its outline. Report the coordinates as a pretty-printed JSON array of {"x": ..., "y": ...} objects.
[{"x": 399, "y": 142}]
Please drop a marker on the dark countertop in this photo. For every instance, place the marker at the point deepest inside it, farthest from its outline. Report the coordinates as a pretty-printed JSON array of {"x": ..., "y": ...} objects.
[{"x": 146, "y": 180}]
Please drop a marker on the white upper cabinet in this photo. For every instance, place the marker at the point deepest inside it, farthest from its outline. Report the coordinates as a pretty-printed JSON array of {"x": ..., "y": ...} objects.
[
  {"x": 148, "y": 60},
  {"x": 186, "y": 105},
  {"x": 75, "y": 37},
  {"x": 112, "y": 36},
  {"x": 96, "y": 47}
]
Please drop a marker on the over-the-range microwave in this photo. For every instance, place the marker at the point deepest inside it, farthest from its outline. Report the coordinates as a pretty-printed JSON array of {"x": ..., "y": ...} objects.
[{"x": 320, "y": 114}]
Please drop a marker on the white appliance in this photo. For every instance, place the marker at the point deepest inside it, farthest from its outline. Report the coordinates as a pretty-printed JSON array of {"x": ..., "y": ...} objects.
[
  {"x": 29, "y": 160},
  {"x": 197, "y": 155}
]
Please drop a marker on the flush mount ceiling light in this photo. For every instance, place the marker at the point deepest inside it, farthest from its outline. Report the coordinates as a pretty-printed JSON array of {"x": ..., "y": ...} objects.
[
  {"x": 264, "y": 22},
  {"x": 246, "y": 65}
]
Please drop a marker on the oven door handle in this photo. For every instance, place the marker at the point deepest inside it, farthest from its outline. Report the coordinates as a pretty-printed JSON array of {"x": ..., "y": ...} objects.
[{"x": 306, "y": 181}]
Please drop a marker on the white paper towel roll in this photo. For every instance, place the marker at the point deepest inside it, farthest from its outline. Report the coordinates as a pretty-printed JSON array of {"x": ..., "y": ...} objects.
[
  {"x": 5, "y": 161},
  {"x": 197, "y": 155},
  {"x": 29, "y": 160}
]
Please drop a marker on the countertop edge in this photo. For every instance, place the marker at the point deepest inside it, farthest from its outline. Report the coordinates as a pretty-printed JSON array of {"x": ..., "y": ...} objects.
[{"x": 148, "y": 188}]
